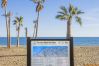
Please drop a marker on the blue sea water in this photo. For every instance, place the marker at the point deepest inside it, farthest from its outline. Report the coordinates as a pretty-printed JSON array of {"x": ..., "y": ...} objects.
[
  {"x": 86, "y": 41},
  {"x": 3, "y": 41},
  {"x": 78, "y": 41}
]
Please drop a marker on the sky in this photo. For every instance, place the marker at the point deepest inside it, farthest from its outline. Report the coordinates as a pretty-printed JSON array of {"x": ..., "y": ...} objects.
[
  {"x": 37, "y": 49},
  {"x": 49, "y": 26}
]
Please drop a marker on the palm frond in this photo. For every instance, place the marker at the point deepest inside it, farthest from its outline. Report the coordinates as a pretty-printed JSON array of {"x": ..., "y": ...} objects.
[
  {"x": 80, "y": 12},
  {"x": 21, "y": 20},
  {"x": 68, "y": 17},
  {"x": 39, "y": 7},
  {"x": 41, "y": 1},
  {"x": 71, "y": 8},
  {"x": 17, "y": 19},
  {"x": 38, "y": 1},
  {"x": 62, "y": 13},
  {"x": 64, "y": 9},
  {"x": 35, "y": 1},
  {"x": 61, "y": 17},
  {"x": 14, "y": 22},
  {"x": 78, "y": 19},
  {"x": 4, "y": 3}
]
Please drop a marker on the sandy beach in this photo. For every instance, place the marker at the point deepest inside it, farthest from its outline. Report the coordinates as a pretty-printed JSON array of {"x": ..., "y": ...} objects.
[
  {"x": 13, "y": 57},
  {"x": 17, "y": 56},
  {"x": 86, "y": 55}
]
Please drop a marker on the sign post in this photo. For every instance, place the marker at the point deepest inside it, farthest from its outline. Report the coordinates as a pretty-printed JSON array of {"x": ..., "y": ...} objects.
[{"x": 50, "y": 52}]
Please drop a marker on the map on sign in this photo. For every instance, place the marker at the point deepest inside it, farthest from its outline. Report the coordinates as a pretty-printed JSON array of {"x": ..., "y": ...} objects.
[{"x": 50, "y": 53}]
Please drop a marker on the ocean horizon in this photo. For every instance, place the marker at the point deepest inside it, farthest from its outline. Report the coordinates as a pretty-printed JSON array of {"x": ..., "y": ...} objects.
[{"x": 77, "y": 41}]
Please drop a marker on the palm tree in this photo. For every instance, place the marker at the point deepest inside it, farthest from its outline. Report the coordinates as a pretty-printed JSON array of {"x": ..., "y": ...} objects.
[
  {"x": 68, "y": 15},
  {"x": 35, "y": 24},
  {"x": 39, "y": 7},
  {"x": 18, "y": 22},
  {"x": 26, "y": 32},
  {"x": 9, "y": 20},
  {"x": 4, "y": 6}
]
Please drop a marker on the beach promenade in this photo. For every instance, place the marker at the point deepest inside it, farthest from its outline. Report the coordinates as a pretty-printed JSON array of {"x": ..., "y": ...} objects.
[{"x": 17, "y": 56}]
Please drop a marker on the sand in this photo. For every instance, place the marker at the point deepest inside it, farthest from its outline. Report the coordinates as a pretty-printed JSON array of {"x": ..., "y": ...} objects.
[
  {"x": 86, "y": 55},
  {"x": 13, "y": 57},
  {"x": 17, "y": 56}
]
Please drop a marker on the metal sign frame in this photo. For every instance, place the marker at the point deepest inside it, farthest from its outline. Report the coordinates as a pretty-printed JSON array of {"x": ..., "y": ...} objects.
[{"x": 29, "y": 49}]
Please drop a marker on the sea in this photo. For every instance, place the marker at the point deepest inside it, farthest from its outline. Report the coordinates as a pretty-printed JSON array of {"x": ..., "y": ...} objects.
[{"x": 77, "y": 41}]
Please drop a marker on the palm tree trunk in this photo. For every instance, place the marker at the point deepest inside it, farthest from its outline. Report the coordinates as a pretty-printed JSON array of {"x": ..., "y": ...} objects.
[
  {"x": 26, "y": 33},
  {"x": 34, "y": 30},
  {"x": 68, "y": 29},
  {"x": 37, "y": 26},
  {"x": 18, "y": 39},
  {"x": 7, "y": 27},
  {"x": 9, "y": 42}
]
